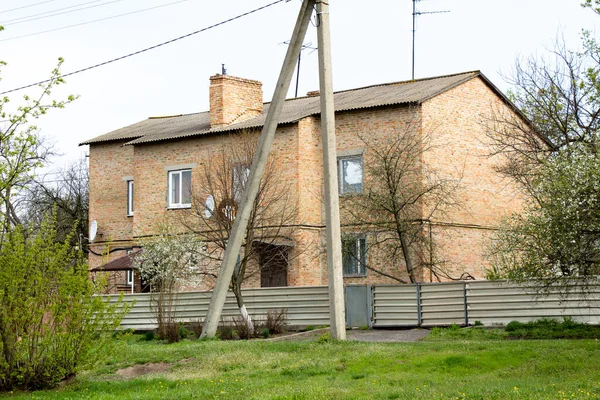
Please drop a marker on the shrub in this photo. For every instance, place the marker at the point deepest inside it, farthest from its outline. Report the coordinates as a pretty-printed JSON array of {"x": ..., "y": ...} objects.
[
  {"x": 325, "y": 337},
  {"x": 52, "y": 324},
  {"x": 169, "y": 331},
  {"x": 225, "y": 331},
  {"x": 184, "y": 332},
  {"x": 196, "y": 326},
  {"x": 241, "y": 327},
  {"x": 149, "y": 336},
  {"x": 513, "y": 326},
  {"x": 276, "y": 321}
]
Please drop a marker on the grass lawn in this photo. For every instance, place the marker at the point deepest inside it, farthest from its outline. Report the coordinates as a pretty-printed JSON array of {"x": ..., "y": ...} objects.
[{"x": 473, "y": 364}]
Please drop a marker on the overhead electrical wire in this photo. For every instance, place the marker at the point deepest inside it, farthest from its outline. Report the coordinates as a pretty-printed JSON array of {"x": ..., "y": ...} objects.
[
  {"x": 151, "y": 47},
  {"x": 35, "y": 17},
  {"x": 91, "y": 22},
  {"x": 27, "y": 6}
]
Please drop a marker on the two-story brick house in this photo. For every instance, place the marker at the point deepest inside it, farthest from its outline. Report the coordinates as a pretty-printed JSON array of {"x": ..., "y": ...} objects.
[{"x": 142, "y": 172}]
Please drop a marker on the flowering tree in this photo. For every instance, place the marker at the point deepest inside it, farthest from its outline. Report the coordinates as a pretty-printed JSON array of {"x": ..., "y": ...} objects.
[
  {"x": 553, "y": 154},
  {"x": 22, "y": 149},
  {"x": 167, "y": 261}
]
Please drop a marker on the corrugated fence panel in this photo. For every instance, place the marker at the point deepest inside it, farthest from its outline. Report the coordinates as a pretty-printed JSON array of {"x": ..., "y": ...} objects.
[
  {"x": 499, "y": 302},
  {"x": 442, "y": 304},
  {"x": 395, "y": 305},
  {"x": 305, "y": 305}
]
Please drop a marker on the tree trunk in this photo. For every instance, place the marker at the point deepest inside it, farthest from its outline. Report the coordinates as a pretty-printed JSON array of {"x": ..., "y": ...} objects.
[
  {"x": 237, "y": 291},
  {"x": 407, "y": 257}
]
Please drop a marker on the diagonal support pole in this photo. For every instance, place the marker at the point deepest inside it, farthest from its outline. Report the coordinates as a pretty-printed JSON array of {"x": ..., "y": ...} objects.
[
  {"x": 259, "y": 161},
  {"x": 332, "y": 208}
]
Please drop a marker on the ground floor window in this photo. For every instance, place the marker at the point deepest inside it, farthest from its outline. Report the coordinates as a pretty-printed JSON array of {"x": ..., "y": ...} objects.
[{"x": 354, "y": 256}]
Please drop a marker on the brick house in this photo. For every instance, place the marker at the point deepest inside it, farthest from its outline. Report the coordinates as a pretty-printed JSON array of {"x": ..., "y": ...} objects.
[{"x": 162, "y": 157}]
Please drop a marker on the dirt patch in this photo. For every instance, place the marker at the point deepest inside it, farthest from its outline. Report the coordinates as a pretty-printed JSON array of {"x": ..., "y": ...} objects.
[{"x": 143, "y": 369}]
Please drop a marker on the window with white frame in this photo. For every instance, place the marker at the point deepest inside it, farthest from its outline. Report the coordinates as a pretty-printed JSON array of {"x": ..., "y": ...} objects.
[
  {"x": 180, "y": 189},
  {"x": 354, "y": 256},
  {"x": 241, "y": 172},
  {"x": 129, "y": 198},
  {"x": 350, "y": 174},
  {"x": 129, "y": 277}
]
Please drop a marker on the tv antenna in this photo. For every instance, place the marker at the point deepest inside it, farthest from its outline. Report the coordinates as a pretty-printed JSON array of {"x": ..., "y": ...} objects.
[
  {"x": 307, "y": 46},
  {"x": 415, "y": 13}
]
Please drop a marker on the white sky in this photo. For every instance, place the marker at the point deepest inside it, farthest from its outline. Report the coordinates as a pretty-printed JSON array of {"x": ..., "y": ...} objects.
[{"x": 371, "y": 43}]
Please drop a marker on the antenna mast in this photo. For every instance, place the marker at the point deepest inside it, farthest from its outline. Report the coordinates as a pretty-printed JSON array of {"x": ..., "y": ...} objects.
[
  {"x": 414, "y": 29},
  {"x": 306, "y": 46}
]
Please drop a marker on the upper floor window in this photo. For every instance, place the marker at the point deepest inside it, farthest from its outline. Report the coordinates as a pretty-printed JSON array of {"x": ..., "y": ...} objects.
[
  {"x": 350, "y": 171},
  {"x": 129, "y": 198},
  {"x": 180, "y": 189},
  {"x": 241, "y": 172},
  {"x": 354, "y": 256}
]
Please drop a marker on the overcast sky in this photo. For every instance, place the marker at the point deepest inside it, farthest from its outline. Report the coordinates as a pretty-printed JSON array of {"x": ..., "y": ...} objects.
[{"x": 371, "y": 43}]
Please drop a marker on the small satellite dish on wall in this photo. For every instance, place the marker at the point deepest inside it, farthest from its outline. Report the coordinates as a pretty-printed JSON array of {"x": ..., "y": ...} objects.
[
  {"x": 93, "y": 230},
  {"x": 210, "y": 206}
]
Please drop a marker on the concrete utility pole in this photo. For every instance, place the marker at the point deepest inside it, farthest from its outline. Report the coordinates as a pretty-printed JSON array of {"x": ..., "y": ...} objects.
[
  {"x": 259, "y": 161},
  {"x": 332, "y": 209}
]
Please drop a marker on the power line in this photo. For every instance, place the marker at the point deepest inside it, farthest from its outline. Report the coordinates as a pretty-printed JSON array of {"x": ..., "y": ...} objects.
[
  {"x": 35, "y": 17},
  {"x": 152, "y": 47},
  {"x": 90, "y": 22},
  {"x": 22, "y": 7}
]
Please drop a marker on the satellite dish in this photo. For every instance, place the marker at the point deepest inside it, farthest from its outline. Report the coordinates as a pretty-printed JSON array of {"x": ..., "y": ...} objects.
[
  {"x": 210, "y": 206},
  {"x": 93, "y": 230}
]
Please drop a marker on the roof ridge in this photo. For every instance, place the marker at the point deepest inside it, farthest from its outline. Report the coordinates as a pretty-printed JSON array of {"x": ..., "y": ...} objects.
[
  {"x": 429, "y": 78},
  {"x": 474, "y": 72}
]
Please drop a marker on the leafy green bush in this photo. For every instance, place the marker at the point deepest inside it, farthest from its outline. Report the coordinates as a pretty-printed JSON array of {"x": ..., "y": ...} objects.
[
  {"x": 52, "y": 324},
  {"x": 513, "y": 326}
]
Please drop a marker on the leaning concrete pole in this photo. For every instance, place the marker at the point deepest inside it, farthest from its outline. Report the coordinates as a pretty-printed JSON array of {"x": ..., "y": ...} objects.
[
  {"x": 259, "y": 161},
  {"x": 332, "y": 209}
]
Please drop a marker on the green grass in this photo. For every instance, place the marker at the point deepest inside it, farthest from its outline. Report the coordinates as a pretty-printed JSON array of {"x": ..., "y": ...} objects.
[{"x": 475, "y": 366}]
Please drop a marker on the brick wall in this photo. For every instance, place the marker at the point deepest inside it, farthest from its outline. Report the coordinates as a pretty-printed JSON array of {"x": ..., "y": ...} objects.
[
  {"x": 458, "y": 151},
  {"x": 233, "y": 99},
  {"x": 108, "y": 164}
]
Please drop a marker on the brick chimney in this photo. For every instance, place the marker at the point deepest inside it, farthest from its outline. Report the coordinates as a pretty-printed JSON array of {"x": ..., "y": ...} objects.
[{"x": 233, "y": 100}]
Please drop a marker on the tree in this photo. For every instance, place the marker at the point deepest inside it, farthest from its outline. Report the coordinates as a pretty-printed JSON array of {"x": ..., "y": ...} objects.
[
  {"x": 214, "y": 204},
  {"x": 558, "y": 235},
  {"x": 401, "y": 194},
  {"x": 64, "y": 193},
  {"x": 166, "y": 262},
  {"x": 52, "y": 321},
  {"x": 22, "y": 149},
  {"x": 551, "y": 152}
]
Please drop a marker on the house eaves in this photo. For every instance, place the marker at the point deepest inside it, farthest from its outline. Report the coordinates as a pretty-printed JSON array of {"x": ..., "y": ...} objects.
[{"x": 192, "y": 125}]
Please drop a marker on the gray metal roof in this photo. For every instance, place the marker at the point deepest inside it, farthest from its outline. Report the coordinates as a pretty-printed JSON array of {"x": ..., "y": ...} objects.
[{"x": 182, "y": 126}]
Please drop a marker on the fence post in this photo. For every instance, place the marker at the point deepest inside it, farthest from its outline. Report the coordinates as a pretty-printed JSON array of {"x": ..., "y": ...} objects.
[
  {"x": 419, "y": 317},
  {"x": 371, "y": 305},
  {"x": 466, "y": 304}
]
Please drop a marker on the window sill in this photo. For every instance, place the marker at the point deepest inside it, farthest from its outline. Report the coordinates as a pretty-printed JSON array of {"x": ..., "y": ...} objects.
[
  {"x": 182, "y": 207},
  {"x": 356, "y": 276}
]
